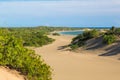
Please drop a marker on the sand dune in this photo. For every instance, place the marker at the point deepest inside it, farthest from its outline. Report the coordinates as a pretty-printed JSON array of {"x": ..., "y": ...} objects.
[
  {"x": 69, "y": 65},
  {"x": 78, "y": 66},
  {"x": 7, "y": 74}
]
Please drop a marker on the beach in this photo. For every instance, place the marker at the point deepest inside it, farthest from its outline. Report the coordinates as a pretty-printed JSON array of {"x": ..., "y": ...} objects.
[
  {"x": 60, "y": 40},
  {"x": 68, "y": 65}
]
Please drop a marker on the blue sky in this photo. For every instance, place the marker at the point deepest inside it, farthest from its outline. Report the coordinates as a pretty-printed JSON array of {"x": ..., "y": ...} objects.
[{"x": 73, "y": 13}]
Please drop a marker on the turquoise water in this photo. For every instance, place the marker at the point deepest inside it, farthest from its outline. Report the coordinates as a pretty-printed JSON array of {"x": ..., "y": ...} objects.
[{"x": 71, "y": 32}]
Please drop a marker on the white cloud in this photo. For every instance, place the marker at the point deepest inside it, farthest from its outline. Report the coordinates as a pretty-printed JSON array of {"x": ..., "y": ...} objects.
[
  {"x": 72, "y": 7},
  {"x": 74, "y": 12}
]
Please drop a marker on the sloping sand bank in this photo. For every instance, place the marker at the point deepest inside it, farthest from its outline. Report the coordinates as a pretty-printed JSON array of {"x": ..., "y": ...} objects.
[
  {"x": 7, "y": 74},
  {"x": 68, "y": 65}
]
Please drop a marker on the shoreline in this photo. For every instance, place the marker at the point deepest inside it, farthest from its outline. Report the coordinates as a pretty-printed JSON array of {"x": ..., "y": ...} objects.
[
  {"x": 60, "y": 32},
  {"x": 67, "y": 31}
]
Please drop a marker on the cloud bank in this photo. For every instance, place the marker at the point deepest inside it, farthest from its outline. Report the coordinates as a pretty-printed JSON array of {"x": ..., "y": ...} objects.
[{"x": 54, "y": 9}]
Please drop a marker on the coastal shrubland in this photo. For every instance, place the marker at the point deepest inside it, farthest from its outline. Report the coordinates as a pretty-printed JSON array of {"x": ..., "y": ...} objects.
[
  {"x": 56, "y": 34},
  {"x": 79, "y": 40},
  {"x": 31, "y": 36},
  {"x": 108, "y": 37},
  {"x": 111, "y": 35},
  {"x": 36, "y": 39},
  {"x": 36, "y": 36},
  {"x": 91, "y": 34},
  {"x": 15, "y": 56}
]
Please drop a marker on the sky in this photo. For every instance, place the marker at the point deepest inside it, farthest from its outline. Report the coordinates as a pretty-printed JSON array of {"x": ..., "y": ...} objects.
[{"x": 68, "y": 13}]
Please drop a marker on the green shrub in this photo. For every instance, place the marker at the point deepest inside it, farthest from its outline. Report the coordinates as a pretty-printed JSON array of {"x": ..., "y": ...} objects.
[
  {"x": 94, "y": 33},
  {"x": 81, "y": 38},
  {"x": 117, "y": 31},
  {"x": 15, "y": 56},
  {"x": 74, "y": 46},
  {"x": 56, "y": 34},
  {"x": 109, "y": 39},
  {"x": 112, "y": 30},
  {"x": 91, "y": 34},
  {"x": 36, "y": 39},
  {"x": 78, "y": 40}
]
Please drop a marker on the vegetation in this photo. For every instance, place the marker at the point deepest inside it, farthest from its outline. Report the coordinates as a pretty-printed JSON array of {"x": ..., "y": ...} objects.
[
  {"x": 94, "y": 33},
  {"x": 15, "y": 56},
  {"x": 36, "y": 36},
  {"x": 74, "y": 46},
  {"x": 111, "y": 36},
  {"x": 79, "y": 40},
  {"x": 117, "y": 31},
  {"x": 108, "y": 38},
  {"x": 56, "y": 34},
  {"x": 44, "y": 29},
  {"x": 30, "y": 36}
]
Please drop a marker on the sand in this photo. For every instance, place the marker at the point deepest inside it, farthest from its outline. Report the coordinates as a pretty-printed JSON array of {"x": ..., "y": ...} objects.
[
  {"x": 69, "y": 65},
  {"x": 7, "y": 74}
]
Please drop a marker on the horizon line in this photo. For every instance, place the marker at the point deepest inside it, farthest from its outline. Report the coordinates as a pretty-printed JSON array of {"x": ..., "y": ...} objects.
[{"x": 63, "y": 26}]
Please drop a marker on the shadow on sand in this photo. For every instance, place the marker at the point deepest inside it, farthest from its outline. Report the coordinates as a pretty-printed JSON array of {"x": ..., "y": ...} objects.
[
  {"x": 112, "y": 50},
  {"x": 94, "y": 43},
  {"x": 62, "y": 47},
  {"x": 97, "y": 44},
  {"x": 109, "y": 50}
]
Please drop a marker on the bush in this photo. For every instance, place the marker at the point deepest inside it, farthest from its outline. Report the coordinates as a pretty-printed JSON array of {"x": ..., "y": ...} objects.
[
  {"x": 74, "y": 46},
  {"x": 117, "y": 31},
  {"x": 91, "y": 34},
  {"x": 15, "y": 56},
  {"x": 36, "y": 39},
  {"x": 78, "y": 40},
  {"x": 109, "y": 39},
  {"x": 56, "y": 34},
  {"x": 94, "y": 33},
  {"x": 81, "y": 38}
]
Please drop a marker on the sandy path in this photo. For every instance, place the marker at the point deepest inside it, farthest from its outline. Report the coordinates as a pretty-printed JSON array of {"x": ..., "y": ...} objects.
[{"x": 73, "y": 66}]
